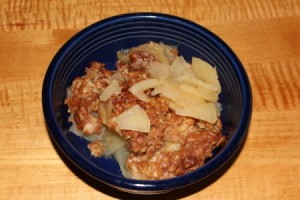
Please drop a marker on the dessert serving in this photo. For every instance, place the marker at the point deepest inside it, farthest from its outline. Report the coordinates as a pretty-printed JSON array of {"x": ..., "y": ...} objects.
[{"x": 157, "y": 113}]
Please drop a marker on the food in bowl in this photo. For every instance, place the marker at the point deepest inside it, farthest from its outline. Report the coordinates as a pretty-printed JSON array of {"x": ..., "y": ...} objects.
[{"x": 157, "y": 114}]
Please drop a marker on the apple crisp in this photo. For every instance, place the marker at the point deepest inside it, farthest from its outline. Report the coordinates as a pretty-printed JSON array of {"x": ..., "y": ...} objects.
[{"x": 157, "y": 114}]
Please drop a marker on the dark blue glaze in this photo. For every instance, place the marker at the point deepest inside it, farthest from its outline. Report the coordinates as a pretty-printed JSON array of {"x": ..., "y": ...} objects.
[{"x": 100, "y": 42}]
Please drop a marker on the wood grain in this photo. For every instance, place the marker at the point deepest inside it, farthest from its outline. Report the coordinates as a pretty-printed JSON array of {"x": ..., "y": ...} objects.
[
  {"x": 265, "y": 34},
  {"x": 55, "y": 14}
]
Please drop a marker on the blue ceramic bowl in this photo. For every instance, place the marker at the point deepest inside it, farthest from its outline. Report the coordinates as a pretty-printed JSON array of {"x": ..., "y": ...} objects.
[{"x": 100, "y": 42}]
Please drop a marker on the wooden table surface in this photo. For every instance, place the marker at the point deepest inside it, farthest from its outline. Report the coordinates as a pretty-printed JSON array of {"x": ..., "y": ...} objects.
[{"x": 265, "y": 34}]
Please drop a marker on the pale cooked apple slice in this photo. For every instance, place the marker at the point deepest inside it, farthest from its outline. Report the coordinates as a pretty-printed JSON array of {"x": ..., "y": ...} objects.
[
  {"x": 112, "y": 88},
  {"x": 112, "y": 142},
  {"x": 205, "y": 72},
  {"x": 187, "y": 98},
  {"x": 121, "y": 155},
  {"x": 218, "y": 107},
  {"x": 157, "y": 50},
  {"x": 200, "y": 83},
  {"x": 168, "y": 88},
  {"x": 159, "y": 70},
  {"x": 180, "y": 70},
  {"x": 205, "y": 111},
  {"x": 200, "y": 92},
  {"x": 173, "y": 105},
  {"x": 135, "y": 119},
  {"x": 139, "y": 88}
]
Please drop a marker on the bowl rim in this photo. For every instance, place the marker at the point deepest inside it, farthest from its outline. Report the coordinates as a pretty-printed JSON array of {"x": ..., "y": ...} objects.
[{"x": 148, "y": 185}]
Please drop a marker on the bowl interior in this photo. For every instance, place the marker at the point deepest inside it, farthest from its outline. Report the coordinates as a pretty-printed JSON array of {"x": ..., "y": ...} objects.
[{"x": 101, "y": 41}]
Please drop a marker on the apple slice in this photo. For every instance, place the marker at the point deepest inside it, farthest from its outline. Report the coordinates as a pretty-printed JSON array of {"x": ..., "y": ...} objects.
[
  {"x": 135, "y": 119},
  {"x": 205, "y": 72}
]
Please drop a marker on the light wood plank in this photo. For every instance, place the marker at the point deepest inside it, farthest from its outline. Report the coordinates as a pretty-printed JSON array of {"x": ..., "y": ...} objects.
[{"x": 264, "y": 34}]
